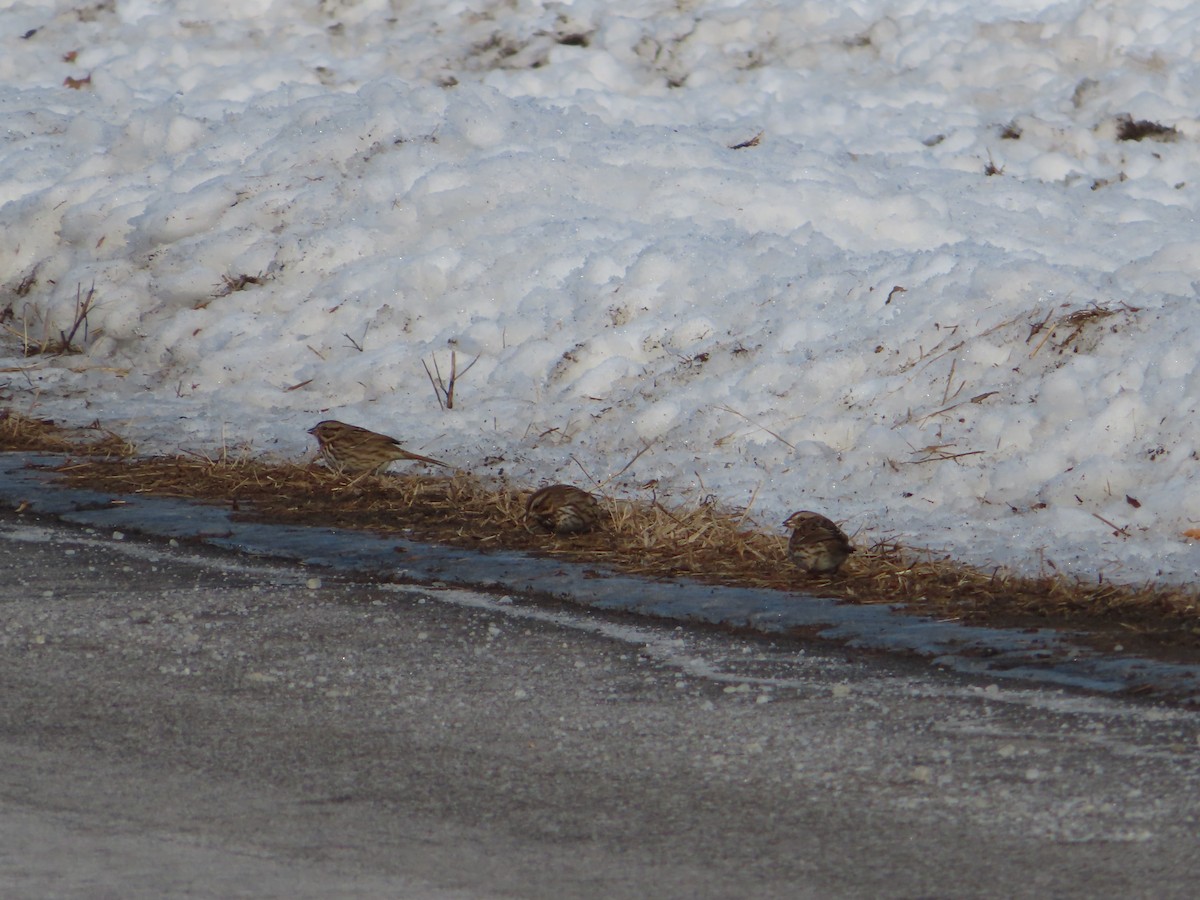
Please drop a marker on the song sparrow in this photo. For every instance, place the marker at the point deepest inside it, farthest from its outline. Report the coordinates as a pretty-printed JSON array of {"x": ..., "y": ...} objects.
[
  {"x": 817, "y": 545},
  {"x": 564, "y": 509},
  {"x": 352, "y": 450}
]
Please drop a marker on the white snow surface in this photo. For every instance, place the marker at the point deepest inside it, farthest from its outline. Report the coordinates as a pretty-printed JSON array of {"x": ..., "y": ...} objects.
[{"x": 556, "y": 189}]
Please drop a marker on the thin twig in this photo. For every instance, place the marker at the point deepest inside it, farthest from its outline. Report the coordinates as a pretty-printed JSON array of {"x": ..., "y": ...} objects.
[
  {"x": 625, "y": 467},
  {"x": 442, "y": 389},
  {"x": 978, "y": 398},
  {"x": 950, "y": 382},
  {"x": 1117, "y": 529},
  {"x": 83, "y": 306},
  {"x": 749, "y": 506},
  {"x": 937, "y": 453},
  {"x": 453, "y": 378},
  {"x": 777, "y": 437},
  {"x": 436, "y": 392},
  {"x": 586, "y": 474}
]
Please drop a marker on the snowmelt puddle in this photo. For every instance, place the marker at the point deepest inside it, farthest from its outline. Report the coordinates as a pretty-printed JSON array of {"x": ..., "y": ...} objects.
[{"x": 1043, "y": 656}]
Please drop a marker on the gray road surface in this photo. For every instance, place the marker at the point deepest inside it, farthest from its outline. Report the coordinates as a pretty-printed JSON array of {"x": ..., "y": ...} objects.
[{"x": 179, "y": 723}]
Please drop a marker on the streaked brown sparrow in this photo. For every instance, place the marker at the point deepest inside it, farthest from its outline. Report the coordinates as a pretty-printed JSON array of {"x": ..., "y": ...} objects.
[
  {"x": 817, "y": 545},
  {"x": 352, "y": 450},
  {"x": 564, "y": 509}
]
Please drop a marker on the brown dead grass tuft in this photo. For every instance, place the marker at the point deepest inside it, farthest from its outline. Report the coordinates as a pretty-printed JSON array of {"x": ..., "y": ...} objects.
[
  {"x": 702, "y": 540},
  {"x": 21, "y": 432}
]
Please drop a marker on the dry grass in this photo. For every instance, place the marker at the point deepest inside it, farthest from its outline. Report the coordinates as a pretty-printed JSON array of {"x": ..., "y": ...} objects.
[
  {"x": 64, "y": 342},
  {"x": 701, "y": 541},
  {"x": 21, "y": 432}
]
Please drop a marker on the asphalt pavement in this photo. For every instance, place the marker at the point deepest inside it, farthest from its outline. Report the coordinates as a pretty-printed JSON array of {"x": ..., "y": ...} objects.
[{"x": 180, "y": 722}]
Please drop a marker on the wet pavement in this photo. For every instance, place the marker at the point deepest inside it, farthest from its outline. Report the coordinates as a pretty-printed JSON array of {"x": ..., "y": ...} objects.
[
  {"x": 1037, "y": 655},
  {"x": 181, "y": 720}
]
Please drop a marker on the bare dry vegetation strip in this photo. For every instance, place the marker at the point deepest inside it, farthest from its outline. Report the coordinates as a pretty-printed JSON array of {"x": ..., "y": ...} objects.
[{"x": 701, "y": 541}]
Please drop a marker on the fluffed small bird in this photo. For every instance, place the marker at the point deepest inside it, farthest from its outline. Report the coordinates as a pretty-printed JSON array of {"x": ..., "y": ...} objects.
[
  {"x": 352, "y": 450},
  {"x": 564, "y": 509},
  {"x": 817, "y": 545}
]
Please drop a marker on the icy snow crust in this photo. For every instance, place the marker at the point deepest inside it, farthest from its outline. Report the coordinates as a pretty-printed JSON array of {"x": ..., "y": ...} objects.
[{"x": 551, "y": 187}]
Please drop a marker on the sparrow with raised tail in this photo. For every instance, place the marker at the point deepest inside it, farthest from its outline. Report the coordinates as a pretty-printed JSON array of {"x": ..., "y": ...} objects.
[
  {"x": 564, "y": 509},
  {"x": 817, "y": 545},
  {"x": 352, "y": 450}
]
